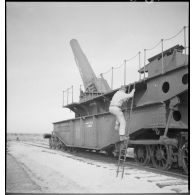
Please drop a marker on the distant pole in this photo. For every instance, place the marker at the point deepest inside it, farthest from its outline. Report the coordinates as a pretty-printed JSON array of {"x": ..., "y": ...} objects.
[
  {"x": 112, "y": 79},
  {"x": 139, "y": 65},
  {"x": 124, "y": 72},
  {"x": 184, "y": 30},
  {"x": 162, "y": 56},
  {"x": 144, "y": 62}
]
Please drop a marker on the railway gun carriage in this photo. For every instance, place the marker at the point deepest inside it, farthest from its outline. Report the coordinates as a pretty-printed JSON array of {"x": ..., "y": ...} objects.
[{"x": 158, "y": 124}]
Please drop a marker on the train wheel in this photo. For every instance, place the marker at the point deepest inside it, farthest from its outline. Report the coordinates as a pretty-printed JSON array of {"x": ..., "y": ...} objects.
[
  {"x": 161, "y": 156},
  {"x": 141, "y": 154},
  {"x": 184, "y": 157}
]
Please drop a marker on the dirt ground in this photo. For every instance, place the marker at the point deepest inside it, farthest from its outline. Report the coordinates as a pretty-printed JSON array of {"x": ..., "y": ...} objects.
[{"x": 17, "y": 179}]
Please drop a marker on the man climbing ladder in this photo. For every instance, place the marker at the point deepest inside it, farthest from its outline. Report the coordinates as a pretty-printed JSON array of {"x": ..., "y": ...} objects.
[
  {"x": 115, "y": 108},
  {"x": 124, "y": 145}
]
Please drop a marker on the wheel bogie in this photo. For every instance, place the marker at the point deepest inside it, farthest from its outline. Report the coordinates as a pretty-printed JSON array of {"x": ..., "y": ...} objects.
[{"x": 160, "y": 156}]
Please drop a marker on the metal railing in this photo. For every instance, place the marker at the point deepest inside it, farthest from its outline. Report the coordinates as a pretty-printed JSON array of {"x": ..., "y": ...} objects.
[
  {"x": 69, "y": 93},
  {"x": 124, "y": 66},
  {"x": 76, "y": 94},
  {"x": 160, "y": 43}
]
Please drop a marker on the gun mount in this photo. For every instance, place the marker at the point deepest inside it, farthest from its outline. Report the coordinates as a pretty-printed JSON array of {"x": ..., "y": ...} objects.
[{"x": 92, "y": 84}]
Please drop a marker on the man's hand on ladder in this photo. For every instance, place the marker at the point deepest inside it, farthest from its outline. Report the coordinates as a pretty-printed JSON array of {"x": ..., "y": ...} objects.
[{"x": 132, "y": 92}]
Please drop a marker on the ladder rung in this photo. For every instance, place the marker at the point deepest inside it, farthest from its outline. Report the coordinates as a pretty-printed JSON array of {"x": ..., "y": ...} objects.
[
  {"x": 122, "y": 155},
  {"x": 122, "y": 158},
  {"x": 124, "y": 148}
]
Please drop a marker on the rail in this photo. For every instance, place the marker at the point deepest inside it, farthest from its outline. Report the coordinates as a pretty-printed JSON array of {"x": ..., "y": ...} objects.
[
  {"x": 68, "y": 93},
  {"x": 73, "y": 94}
]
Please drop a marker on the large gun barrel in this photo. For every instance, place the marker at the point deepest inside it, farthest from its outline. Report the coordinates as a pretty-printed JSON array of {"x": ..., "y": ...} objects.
[
  {"x": 86, "y": 72},
  {"x": 90, "y": 81}
]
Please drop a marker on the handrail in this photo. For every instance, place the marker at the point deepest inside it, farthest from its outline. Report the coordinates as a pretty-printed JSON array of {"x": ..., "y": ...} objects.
[{"x": 70, "y": 91}]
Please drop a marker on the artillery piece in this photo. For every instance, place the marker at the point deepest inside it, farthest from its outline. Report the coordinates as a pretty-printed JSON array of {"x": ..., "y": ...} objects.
[
  {"x": 158, "y": 129},
  {"x": 92, "y": 84}
]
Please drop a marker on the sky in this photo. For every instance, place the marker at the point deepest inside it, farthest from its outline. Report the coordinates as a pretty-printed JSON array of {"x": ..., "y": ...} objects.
[{"x": 40, "y": 62}]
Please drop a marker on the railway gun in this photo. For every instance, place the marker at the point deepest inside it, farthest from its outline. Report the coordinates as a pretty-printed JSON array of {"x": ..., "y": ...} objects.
[{"x": 158, "y": 129}]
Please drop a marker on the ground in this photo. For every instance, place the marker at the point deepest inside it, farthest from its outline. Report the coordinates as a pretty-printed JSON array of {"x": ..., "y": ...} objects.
[{"x": 37, "y": 169}]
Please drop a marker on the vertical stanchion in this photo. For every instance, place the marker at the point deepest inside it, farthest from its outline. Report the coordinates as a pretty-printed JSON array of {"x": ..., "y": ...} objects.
[
  {"x": 101, "y": 83},
  {"x": 72, "y": 93},
  {"x": 144, "y": 62},
  {"x": 124, "y": 72},
  {"x": 67, "y": 95},
  {"x": 63, "y": 98},
  {"x": 101, "y": 75},
  {"x": 112, "y": 79},
  {"x": 80, "y": 94},
  {"x": 139, "y": 65},
  {"x": 162, "y": 56},
  {"x": 184, "y": 30}
]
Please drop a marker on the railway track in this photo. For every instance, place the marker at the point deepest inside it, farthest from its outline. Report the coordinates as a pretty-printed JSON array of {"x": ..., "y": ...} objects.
[
  {"x": 172, "y": 180},
  {"x": 100, "y": 159}
]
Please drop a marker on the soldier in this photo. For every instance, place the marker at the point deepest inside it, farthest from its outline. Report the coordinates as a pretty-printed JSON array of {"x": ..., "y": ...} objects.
[{"x": 115, "y": 108}]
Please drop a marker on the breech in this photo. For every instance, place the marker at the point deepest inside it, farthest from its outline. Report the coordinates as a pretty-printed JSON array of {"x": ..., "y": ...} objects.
[{"x": 119, "y": 117}]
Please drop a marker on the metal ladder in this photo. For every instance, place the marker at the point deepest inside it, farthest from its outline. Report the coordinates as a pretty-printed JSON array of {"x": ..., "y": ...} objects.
[
  {"x": 122, "y": 158},
  {"x": 123, "y": 149}
]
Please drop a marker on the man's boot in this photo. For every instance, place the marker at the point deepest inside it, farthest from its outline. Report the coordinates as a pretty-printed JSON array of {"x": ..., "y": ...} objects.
[{"x": 123, "y": 138}]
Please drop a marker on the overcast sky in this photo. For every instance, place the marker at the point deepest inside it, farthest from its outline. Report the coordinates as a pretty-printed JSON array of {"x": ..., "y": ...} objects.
[{"x": 40, "y": 63}]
